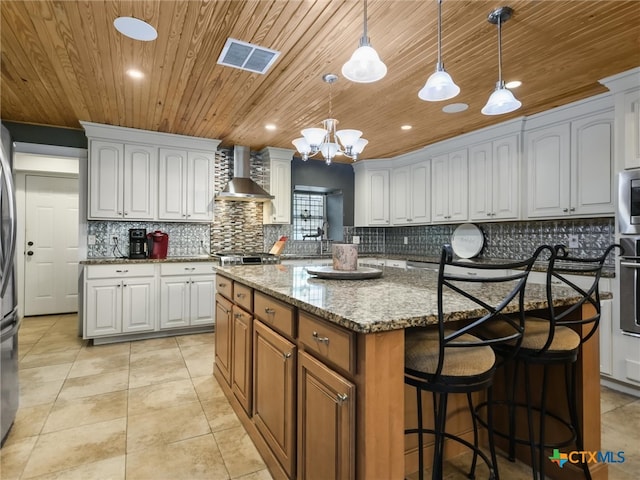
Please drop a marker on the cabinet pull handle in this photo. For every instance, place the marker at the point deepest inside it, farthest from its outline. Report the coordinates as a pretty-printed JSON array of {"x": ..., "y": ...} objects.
[
  {"x": 122, "y": 271},
  {"x": 241, "y": 295},
  {"x": 319, "y": 339},
  {"x": 269, "y": 311},
  {"x": 572, "y": 209},
  {"x": 237, "y": 315},
  {"x": 342, "y": 397},
  {"x": 223, "y": 309},
  {"x": 190, "y": 268},
  {"x": 286, "y": 355},
  {"x": 473, "y": 274},
  {"x": 222, "y": 285},
  {"x": 565, "y": 210},
  {"x": 488, "y": 214}
]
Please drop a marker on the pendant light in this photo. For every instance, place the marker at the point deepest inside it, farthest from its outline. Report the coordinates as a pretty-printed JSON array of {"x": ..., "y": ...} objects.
[
  {"x": 365, "y": 65},
  {"x": 501, "y": 100},
  {"x": 440, "y": 85}
]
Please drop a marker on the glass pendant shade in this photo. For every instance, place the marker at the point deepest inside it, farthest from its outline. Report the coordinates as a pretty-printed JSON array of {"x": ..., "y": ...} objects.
[
  {"x": 329, "y": 150},
  {"x": 364, "y": 66},
  {"x": 302, "y": 146},
  {"x": 314, "y": 136},
  {"x": 501, "y": 101},
  {"x": 359, "y": 146},
  {"x": 348, "y": 138},
  {"x": 439, "y": 86}
]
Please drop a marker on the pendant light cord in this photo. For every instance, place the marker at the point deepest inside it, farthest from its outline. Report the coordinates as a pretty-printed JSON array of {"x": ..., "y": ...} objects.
[
  {"x": 500, "y": 50},
  {"x": 439, "y": 34}
]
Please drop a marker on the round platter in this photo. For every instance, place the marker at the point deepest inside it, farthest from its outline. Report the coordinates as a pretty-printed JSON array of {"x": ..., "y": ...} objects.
[
  {"x": 467, "y": 240},
  {"x": 361, "y": 273}
]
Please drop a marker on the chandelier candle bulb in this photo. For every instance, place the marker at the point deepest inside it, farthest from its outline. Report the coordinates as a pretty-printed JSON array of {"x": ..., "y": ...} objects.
[{"x": 345, "y": 256}]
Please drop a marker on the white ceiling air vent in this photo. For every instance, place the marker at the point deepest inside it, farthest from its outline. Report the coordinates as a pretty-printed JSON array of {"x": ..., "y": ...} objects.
[{"x": 246, "y": 56}]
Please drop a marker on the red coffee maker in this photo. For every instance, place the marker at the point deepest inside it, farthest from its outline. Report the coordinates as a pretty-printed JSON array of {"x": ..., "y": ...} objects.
[{"x": 158, "y": 244}]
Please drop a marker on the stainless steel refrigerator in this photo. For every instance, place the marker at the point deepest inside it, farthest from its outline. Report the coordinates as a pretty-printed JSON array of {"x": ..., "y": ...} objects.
[{"x": 10, "y": 323}]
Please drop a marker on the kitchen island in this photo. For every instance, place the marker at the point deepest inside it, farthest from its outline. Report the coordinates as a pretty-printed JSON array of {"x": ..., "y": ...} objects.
[{"x": 322, "y": 363}]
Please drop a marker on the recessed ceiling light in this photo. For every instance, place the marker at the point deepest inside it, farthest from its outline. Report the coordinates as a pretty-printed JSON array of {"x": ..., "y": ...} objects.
[
  {"x": 455, "y": 107},
  {"x": 406, "y": 127},
  {"x": 513, "y": 84},
  {"x": 270, "y": 126},
  {"x": 136, "y": 29},
  {"x": 133, "y": 73}
]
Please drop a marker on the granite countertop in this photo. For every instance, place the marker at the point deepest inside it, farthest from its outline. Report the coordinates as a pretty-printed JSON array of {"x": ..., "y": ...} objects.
[
  {"x": 126, "y": 260},
  {"x": 397, "y": 300}
]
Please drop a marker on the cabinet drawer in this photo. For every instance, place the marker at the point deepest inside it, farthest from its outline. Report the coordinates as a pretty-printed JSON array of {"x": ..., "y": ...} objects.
[
  {"x": 328, "y": 341},
  {"x": 242, "y": 295},
  {"x": 224, "y": 286},
  {"x": 187, "y": 268},
  {"x": 274, "y": 313},
  {"x": 119, "y": 270}
]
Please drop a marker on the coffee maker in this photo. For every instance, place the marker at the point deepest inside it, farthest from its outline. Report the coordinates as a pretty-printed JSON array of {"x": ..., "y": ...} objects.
[{"x": 137, "y": 243}]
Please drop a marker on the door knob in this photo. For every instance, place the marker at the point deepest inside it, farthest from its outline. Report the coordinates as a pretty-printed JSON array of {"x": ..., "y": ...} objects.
[
  {"x": 30, "y": 243},
  {"x": 29, "y": 253}
]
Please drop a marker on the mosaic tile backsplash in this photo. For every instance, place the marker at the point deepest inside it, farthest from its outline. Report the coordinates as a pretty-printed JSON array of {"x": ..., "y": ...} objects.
[{"x": 505, "y": 240}]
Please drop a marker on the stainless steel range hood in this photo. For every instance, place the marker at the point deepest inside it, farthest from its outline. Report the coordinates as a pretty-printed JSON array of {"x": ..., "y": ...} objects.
[{"x": 241, "y": 188}]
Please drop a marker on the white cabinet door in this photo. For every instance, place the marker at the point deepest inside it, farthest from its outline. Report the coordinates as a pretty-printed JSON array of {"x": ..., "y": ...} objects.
[
  {"x": 548, "y": 167},
  {"x": 202, "y": 304},
  {"x": 481, "y": 182},
  {"x": 102, "y": 310},
  {"x": 140, "y": 182},
  {"x": 105, "y": 179},
  {"x": 199, "y": 188},
  {"x": 400, "y": 196},
  {"x": 410, "y": 194},
  {"x": 449, "y": 187},
  {"x": 592, "y": 170},
  {"x": 378, "y": 197},
  {"x": 632, "y": 129},
  {"x": 606, "y": 338},
  {"x": 175, "y": 299},
  {"x": 279, "y": 209},
  {"x": 138, "y": 305},
  {"x": 505, "y": 178},
  {"x": 172, "y": 184}
]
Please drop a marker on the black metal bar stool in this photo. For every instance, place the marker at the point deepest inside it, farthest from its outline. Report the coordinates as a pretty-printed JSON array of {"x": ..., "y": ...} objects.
[
  {"x": 452, "y": 358},
  {"x": 552, "y": 340}
]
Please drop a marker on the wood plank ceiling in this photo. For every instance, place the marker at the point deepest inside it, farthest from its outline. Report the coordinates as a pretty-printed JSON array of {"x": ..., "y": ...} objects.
[{"x": 62, "y": 61}]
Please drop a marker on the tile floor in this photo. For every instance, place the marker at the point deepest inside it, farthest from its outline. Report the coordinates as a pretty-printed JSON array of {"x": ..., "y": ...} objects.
[{"x": 152, "y": 410}]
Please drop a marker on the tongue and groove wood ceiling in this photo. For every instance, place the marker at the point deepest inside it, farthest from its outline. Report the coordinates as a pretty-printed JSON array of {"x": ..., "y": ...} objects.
[{"x": 62, "y": 61}]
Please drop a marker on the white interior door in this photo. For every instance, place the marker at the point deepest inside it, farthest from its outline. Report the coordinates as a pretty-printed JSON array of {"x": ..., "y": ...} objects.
[{"x": 51, "y": 245}]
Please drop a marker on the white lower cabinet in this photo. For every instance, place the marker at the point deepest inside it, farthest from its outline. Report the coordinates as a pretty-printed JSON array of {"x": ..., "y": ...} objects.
[
  {"x": 119, "y": 299},
  {"x": 187, "y": 295}
]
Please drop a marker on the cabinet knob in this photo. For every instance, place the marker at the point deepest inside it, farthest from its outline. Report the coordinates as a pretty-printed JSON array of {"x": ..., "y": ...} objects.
[
  {"x": 222, "y": 285},
  {"x": 342, "y": 397},
  {"x": 286, "y": 355},
  {"x": 572, "y": 209},
  {"x": 242, "y": 295},
  {"x": 565, "y": 210},
  {"x": 269, "y": 311},
  {"x": 488, "y": 214},
  {"x": 126, "y": 213},
  {"x": 237, "y": 315}
]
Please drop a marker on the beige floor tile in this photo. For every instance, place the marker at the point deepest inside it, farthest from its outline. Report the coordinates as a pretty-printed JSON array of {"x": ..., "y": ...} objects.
[
  {"x": 98, "y": 365},
  {"x": 73, "y": 447},
  {"x": 45, "y": 373},
  {"x": 620, "y": 434},
  {"x": 31, "y": 336},
  {"x": 140, "y": 346},
  {"x": 199, "y": 360},
  {"x": 146, "y": 358},
  {"x": 95, "y": 384},
  {"x": 56, "y": 345},
  {"x": 239, "y": 454},
  {"x": 14, "y": 456},
  {"x": 109, "y": 469},
  {"x": 29, "y": 421},
  {"x": 207, "y": 388},
  {"x": 104, "y": 351},
  {"x": 39, "y": 393},
  {"x": 194, "y": 458},
  {"x": 86, "y": 410},
  {"x": 259, "y": 475},
  {"x": 157, "y": 373},
  {"x": 196, "y": 339},
  {"x": 612, "y": 399},
  {"x": 166, "y": 426},
  {"x": 159, "y": 396},
  {"x": 31, "y": 360},
  {"x": 220, "y": 414}
]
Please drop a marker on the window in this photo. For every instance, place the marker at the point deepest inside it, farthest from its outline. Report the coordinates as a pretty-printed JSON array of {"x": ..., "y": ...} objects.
[{"x": 308, "y": 215}]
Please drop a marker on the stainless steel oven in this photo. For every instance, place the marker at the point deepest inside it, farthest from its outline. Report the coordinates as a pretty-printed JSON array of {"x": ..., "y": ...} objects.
[
  {"x": 629, "y": 202},
  {"x": 630, "y": 285}
]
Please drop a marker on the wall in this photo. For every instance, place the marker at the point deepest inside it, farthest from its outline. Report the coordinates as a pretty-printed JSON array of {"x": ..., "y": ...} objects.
[{"x": 46, "y": 135}]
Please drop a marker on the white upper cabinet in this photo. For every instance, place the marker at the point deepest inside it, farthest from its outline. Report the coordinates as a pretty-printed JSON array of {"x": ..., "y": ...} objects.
[
  {"x": 631, "y": 105},
  {"x": 371, "y": 196},
  {"x": 570, "y": 167},
  {"x": 186, "y": 185},
  {"x": 122, "y": 181},
  {"x": 143, "y": 175},
  {"x": 449, "y": 182},
  {"x": 411, "y": 194},
  {"x": 494, "y": 180},
  {"x": 278, "y": 210}
]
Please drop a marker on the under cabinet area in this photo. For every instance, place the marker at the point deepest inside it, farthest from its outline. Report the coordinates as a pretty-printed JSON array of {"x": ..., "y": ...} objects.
[{"x": 129, "y": 301}]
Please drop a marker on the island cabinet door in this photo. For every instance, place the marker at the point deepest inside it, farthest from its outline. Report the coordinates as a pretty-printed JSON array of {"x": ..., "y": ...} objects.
[
  {"x": 274, "y": 389},
  {"x": 223, "y": 337},
  {"x": 242, "y": 337},
  {"x": 326, "y": 422}
]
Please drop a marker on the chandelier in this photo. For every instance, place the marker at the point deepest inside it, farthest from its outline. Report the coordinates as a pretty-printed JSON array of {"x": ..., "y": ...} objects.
[{"x": 326, "y": 140}]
